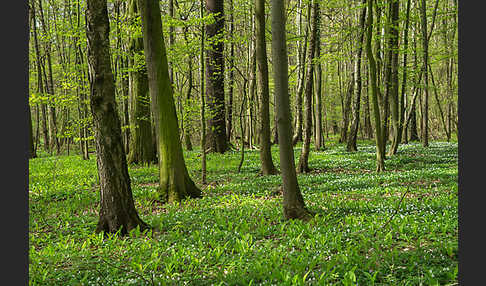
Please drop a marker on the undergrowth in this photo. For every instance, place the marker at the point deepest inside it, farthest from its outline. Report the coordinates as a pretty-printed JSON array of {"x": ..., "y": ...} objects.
[{"x": 395, "y": 228}]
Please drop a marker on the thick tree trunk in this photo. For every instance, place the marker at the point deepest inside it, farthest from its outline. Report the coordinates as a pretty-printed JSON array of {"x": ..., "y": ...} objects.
[
  {"x": 217, "y": 140},
  {"x": 117, "y": 209},
  {"x": 141, "y": 149},
  {"x": 353, "y": 133},
  {"x": 293, "y": 202},
  {"x": 175, "y": 183},
  {"x": 267, "y": 166},
  {"x": 303, "y": 165}
]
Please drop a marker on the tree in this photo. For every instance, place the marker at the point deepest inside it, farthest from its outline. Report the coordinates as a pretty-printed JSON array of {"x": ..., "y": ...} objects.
[
  {"x": 217, "y": 140},
  {"x": 293, "y": 202},
  {"x": 141, "y": 147},
  {"x": 392, "y": 83},
  {"x": 303, "y": 166},
  {"x": 261, "y": 58},
  {"x": 319, "y": 134},
  {"x": 353, "y": 133},
  {"x": 380, "y": 156},
  {"x": 117, "y": 209},
  {"x": 425, "y": 46},
  {"x": 175, "y": 183}
]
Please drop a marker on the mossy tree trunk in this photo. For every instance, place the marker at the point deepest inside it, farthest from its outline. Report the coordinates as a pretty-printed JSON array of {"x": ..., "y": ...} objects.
[
  {"x": 117, "y": 209},
  {"x": 293, "y": 202},
  {"x": 175, "y": 183},
  {"x": 380, "y": 156},
  {"x": 267, "y": 166},
  {"x": 141, "y": 149}
]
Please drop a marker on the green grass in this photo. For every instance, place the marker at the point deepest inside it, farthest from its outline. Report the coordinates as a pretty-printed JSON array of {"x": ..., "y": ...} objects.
[{"x": 235, "y": 234}]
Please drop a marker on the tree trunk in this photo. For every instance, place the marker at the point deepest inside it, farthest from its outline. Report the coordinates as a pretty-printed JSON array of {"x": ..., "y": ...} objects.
[
  {"x": 380, "y": 158},
  {"x": 141, "y": 149},
  {"x": 425, "y": 46},
  {"x": 51, "y": 110},
  {"x": 175, "y": 183},
  {"x": 187, "y": 130},
  {"x": 301, "y": 57},
  {"x": 117, "y": 209},
  {"x": 319, "y": 134},
  {"x": 203, "y": 104},
  {"x": 353, "y": 133},
  {"x": 293, "y": 202},
  {"x": 231, "y": 76},
  {"x": 267, "y": 165},
  {"x": 303, "y": 166},
  {"x": 393, "y": 83},
  {"x": 217, "y": 140}
]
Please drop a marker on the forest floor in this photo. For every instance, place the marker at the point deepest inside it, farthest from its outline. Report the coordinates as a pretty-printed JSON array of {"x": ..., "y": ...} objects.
[{"x": 399, "y": 227}]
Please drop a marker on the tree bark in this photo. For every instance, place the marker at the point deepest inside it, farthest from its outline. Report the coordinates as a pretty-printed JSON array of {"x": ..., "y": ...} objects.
[
  {"x": 117, "y": 209},
  {"x": 217, "y": 140},
  {"x": 267, "y": 166},
  {"x": 380, "y": 158},
  {"x": 393, "y": 83},
  {"x": 293, "y": 202},
  {"x": 353, "y": 133},
  {"x": 303, "y": 165},
  {"x": 231, "y": 76},
  {"x": 175, "y": 183},
  {"x": 425, "y": 46},
  {"x": 141, "y": 149},
  {"x": 319, "y": 134}
]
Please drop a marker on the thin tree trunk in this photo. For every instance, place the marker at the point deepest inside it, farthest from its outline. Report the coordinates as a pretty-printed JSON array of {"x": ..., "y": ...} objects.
[
  {"x": 380, "y": 158},
  {"x": 231, "y": 79},
  {"x": 203, "y": 104},
  {"x": 303, "y": 165},
  {"x": 393, "y": 90},
  {"x": 425, "y": 46},
  {"x": 187, "y": 130},
  {"x": 319, "y": 135},
  {"x": 353, "y": 133},
  {"x": 267, "y": 166},
  {"x": 293, "y": 202}
]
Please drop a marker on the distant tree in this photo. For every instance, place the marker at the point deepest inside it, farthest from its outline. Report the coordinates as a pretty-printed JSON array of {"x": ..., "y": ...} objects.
[
  {"x": 175, "y": 183},
  {"x": 293, "y": 202},
  {"x": 117, "y": 209}
]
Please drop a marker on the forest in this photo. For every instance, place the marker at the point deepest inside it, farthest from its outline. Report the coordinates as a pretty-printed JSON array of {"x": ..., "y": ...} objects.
[{"x": 231, "y": 142}]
